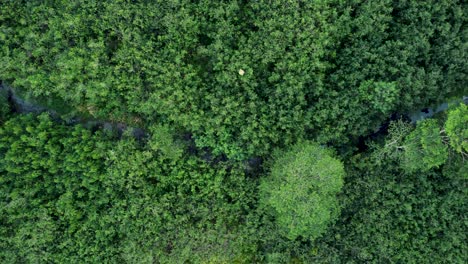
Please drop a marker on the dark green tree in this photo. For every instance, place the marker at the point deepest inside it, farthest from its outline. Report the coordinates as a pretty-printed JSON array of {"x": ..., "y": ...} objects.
[
  {"x": 5, "y": 107},
  {"x": 391, "y": 215}
]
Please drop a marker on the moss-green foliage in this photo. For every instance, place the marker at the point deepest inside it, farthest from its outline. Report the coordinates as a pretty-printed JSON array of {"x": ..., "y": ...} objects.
[{"x": 302, "y": 190}]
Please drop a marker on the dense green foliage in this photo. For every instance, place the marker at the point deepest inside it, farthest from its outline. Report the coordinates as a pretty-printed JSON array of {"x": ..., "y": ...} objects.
[
  {"x": 424, "y": 148},
  {"x": 96, "y": 199},
  {"x": 232, "y": 131},
  {"x": 334, "y": 68},
  {"x": 69, "y": 195},
  {"x": 302, "y": 190},
  {"x": 457, "y": 129},
  {"x": 428, "y": 144},
  {"x": 392, "y": 216},
  {"x": 4, "y": 106},
  {"x": 392, "y": 56}
]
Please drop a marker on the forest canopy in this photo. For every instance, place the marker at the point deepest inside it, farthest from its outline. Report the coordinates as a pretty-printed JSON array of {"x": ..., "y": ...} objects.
[{"x": 233, "y": 131}]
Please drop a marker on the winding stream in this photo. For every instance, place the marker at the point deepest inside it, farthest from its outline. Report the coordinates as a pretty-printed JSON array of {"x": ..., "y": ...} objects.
[
  {"x": 429, "y": 112},
  {"x": 23, "y": 106}
]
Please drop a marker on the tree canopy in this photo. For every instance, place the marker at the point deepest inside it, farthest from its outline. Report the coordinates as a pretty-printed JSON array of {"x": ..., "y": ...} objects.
[
  {"x": 177, "y": 131},
  {"x": 334, "y": 68},
  {"x": 302, "y": 190},
  {"x": 457, "y": 129}
]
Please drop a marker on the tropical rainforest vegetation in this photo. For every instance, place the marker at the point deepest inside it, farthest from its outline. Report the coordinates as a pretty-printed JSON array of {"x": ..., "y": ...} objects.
[{"x": 233, "y": 131}]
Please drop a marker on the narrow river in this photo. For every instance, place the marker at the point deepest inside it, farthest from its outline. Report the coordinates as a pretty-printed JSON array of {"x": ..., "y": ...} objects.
[{"x": 24, "y": 106}]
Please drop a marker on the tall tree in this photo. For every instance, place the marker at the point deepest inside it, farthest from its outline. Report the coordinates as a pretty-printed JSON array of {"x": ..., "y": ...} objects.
[{"x": 301, "y": 189}]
